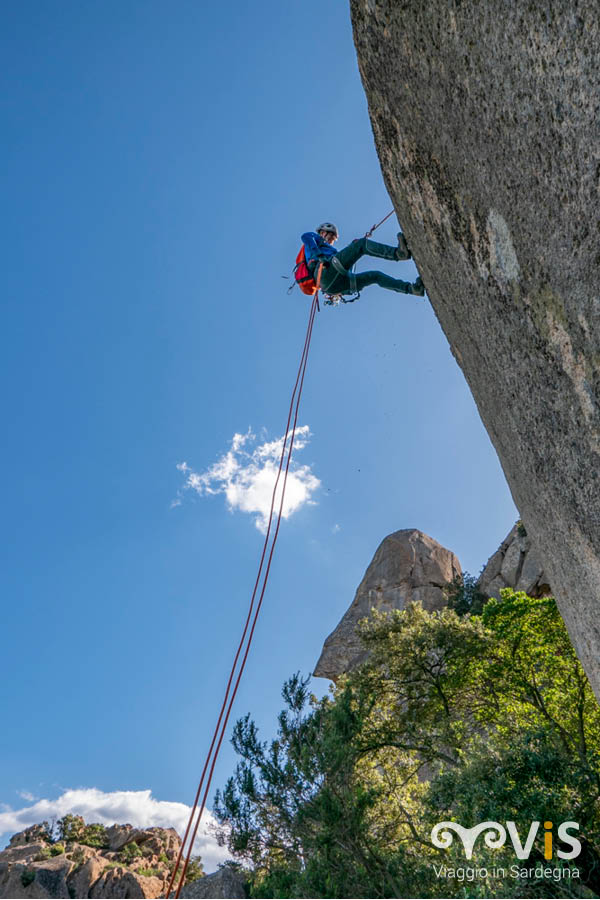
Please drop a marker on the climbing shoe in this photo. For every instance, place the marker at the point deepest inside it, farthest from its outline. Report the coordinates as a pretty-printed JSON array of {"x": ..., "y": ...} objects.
[
  {"x": 418, "y": 288},
  {"x": 402, "y": 251}
]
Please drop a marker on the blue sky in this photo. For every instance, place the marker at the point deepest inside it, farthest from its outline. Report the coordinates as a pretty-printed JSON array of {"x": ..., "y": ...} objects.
[{"x": 160, "y": 162}]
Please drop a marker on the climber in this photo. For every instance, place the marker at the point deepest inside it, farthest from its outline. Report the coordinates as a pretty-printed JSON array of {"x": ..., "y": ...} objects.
[{"x": 336, "y": 277}]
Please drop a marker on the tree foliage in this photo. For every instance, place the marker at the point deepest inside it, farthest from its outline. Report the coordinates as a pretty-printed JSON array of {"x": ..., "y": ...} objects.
[
  {"x": 469, "y": 718},
  {"x": 195, "y": 869},
  {"x": 73, "y": 829},
  {"x": 464, "y": 596}
]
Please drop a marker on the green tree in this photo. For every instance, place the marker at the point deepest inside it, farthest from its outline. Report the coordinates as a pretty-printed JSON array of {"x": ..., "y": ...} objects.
[
  {"x": 470, "y": 718},
  {"x": 463, "y": 595},
  {"x": 130, "y": 852},
  {"x": 195, "y": 869},
  {"x": 299, "y": 809},
  {"x": 71, "y": 828},
  {"x": 94, "y": 835}
]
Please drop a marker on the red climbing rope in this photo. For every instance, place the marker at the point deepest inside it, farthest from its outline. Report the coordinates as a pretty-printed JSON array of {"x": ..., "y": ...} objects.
[{"x": 246, "y": 639}]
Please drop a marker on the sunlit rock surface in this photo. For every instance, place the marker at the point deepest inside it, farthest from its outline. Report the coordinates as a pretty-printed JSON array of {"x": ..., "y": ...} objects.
[{"x": 409, "y": 566}]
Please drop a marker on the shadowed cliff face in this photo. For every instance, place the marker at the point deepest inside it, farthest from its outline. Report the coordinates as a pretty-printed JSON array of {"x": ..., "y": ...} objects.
[{"x": 487, "y": 123}]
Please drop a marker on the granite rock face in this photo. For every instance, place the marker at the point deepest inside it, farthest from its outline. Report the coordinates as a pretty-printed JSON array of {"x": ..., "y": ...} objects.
[
  {"x": 486, "y": 119},
  {"x": 515, "y": 564},
  {"x": 409, "y": 566},
  {"x": 32, "y": 866},
  {"x": 225, "y": 883}
]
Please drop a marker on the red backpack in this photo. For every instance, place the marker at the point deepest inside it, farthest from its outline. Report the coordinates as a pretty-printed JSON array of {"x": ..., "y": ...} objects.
[{"x": 304, "y": 279}]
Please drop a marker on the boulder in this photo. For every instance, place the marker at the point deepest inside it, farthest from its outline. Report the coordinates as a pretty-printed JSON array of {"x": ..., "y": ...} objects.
[
  {"x": 515, "y": 564},
  {"x": 118, "y": 883},
  {"x": 485, "y": 116},
  {"x": 408, "y": 567},
  {"x": 33, "y": 834},
  {"x": 157, "y": 841},
  {"x": 119, "y": 835},
  {"x": 511, "y": 564},
  {"x": 42, "y": 879},
  {"x": 225, "y": 883},
  {"x": 21, "y": 852},
  {"x": 81, "y": 878}
]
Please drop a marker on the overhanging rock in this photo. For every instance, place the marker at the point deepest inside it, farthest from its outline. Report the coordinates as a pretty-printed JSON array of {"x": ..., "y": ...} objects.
[{"x": 486, "y": 118}]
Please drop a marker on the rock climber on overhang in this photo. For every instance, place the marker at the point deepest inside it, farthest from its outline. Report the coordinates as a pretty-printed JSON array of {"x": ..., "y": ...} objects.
[{"x": 337, "y": 279}]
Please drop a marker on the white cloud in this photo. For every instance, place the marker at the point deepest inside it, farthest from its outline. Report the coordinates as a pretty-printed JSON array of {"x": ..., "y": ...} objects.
[
  {"x": 137, "y": 808},
  {"x": 25, "y": 795},
  {"x": 246, "y": 475}
]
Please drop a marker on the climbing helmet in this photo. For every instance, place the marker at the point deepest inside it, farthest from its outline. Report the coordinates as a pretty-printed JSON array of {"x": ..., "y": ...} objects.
[{"x": 329, "y": 227}]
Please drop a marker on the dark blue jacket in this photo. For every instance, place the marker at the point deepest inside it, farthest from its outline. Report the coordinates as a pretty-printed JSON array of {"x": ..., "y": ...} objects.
[{"x": 315, "y": 245}]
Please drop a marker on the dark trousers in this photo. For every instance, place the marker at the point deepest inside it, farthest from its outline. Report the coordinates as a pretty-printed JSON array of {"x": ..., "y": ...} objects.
[{"x": 335, "y": 282}]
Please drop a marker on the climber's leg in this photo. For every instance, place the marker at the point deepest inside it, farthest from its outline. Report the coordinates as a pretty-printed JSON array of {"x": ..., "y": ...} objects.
[
  {"x": 381, "y": 251},
  {"x": 366, "y": 247},
  {"x": 352, "y": 253},
  {"x": 364, "y": 279}
]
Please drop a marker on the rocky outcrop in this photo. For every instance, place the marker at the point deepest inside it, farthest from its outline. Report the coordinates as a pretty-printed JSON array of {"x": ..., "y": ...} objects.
[
  {"x": 487, "y": 124},
  {"x": 515, "y": 564},
  {"x": 225, "y": 883},
  {"x": 409, "y": 566},
  {"x": 132, "y": 863}
]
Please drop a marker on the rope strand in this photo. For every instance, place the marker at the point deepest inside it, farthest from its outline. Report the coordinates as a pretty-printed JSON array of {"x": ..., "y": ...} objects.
[
  {"x": 375, "y": 227},
  {"x": 223, "y": 718},
  {"x": 251, "y": 635}
]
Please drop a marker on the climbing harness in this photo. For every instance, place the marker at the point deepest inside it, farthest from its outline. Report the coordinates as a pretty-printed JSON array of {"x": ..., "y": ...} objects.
[
  {"x": 336, "y": 299},
  {"x": 260, "y": 586}
]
